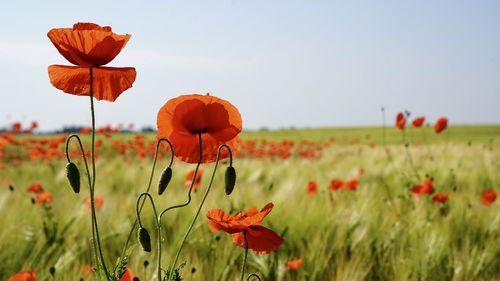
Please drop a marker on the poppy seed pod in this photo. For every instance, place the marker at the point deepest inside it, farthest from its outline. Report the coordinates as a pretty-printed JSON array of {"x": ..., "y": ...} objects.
[
  {"x": 144, "y": 239},
  {"x": 230, "y": 179},
  {"x": 73, "y": 176},
  {"x": 165, "y": 178}
]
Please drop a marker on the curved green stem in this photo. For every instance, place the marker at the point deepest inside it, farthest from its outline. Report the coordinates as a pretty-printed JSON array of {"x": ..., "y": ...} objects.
[
  {"x": 124, "y": 250},
  {"x": 158, "y": 226},
  {"x": 89, "y": 181},
  {"x": 244, "y": 257},
  {"x": 201, "y": 203},
  {"x": 144, "y": 194},
  {"x": 254, "y": 275}
]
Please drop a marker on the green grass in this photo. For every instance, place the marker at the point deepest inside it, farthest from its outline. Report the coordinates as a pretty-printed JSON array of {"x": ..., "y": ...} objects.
[{"x": 376, "y": 233}]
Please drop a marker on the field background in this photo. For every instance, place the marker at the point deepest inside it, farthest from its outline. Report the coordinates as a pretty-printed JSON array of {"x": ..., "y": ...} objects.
[{"x": 379, "y": 232}]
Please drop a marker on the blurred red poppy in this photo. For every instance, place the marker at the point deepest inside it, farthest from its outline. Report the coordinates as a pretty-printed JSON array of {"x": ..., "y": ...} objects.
[
  {"x": 98, "y": 202},
  {"x": 336, "y": 185},
  {"x": 88, "y": 45},
  {"x": 44, "y": 198},
  {"x": 36, "y": 188},
  {"x": 400, "y": 121},
  {"x": 294, "y": 264},
  {"x": 197, "y": 180},
  {"x": 440, "y": 198},
  {"x": 488, "y": 197},
  {"x": 441, "y": 125},
  {"x": 312, "y": 187},
  {"x": 23, "y": 276},
  {"x": 426, "y": 187},
  {"x": 418, "y": 122},
  {"x": 183, "y": 118},
  {"x": 127, "y": 275},
  {"x": 87, "y": 270},
  {"x": 16, "y": 127},
  {"x": 260, "y": 239},
  {"x": 352, "y": 185}
]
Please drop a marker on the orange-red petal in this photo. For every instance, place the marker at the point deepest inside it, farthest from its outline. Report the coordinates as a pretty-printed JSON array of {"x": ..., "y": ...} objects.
[
  {"x": 181, "y": 120},
  {"x": 108, "y": 82},
  {"x": 127, "y": 275},
  {"x": 260, "y": 239},
  {"x": 23, "y": 276},
  {"x": 88, "y": 44},
  {"x": 220, "y": 220}
]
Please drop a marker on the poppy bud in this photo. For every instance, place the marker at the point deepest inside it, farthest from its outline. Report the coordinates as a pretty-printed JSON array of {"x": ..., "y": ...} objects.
[
  {"x": 73, "y": 176},
  {"x": 230, "y": 179},
  {"x": 144, "y": 239},
  {"x": 165, "y": 178}
]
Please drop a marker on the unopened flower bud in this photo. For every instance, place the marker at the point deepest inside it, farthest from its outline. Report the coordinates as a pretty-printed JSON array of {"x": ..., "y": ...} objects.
[
  {"x": 165, "y": 178},
  {"x": 73, "y": 176},
  {"x": 144, "y": 239},
  {"x": 230, "y": 179}
]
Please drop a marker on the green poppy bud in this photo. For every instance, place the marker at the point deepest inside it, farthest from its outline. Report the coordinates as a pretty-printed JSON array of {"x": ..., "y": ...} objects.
[
  {"x": 230, "y": 179},
  {"x": 73, "y": 176},
  {"x": 165, "y": 178},
  {"x": 144, "y": 239}
]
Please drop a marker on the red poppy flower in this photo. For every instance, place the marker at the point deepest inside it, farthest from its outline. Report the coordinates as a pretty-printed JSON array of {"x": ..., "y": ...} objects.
[
  {"x": 89, "y": 45},
  {"x": 488, "y": 197},
  {"x": 312, "y": 187},
  {"x": 352, "y": 185},
  {"x": 260, "y": 239},
  {"x": 127, "y": 275},
  {"x": 418, "y": 122},
  {"x": 426, "y": 187},
  {"x": 87, "y": 270},
  {"x": 294, "y": 264},
  {"x": 400, "y": 121},
  {"x": 336, "y": 185},
  {"x": 23, "y": 276},
  {"x": 16, "y": 127},
  {"x": 36, "y": 188},
  {"x": 98, "y": 202},
  {"x": 44, "y": 198},
  {"x": 197, "y": 180},
  {"x": 181, "y": 119},
  {"x": 440, "y": 198},
  {"x": 441, "y": 125}
]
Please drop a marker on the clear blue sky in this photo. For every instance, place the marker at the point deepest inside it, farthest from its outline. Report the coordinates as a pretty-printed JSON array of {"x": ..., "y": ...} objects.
[{"x": 282, "y": 63}]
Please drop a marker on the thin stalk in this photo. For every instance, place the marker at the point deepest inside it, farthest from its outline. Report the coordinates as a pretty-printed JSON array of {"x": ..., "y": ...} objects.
[
  {"x": 92, "y": 156},
  {"x": 384, "y": 142},
  {"x": 90, "y": 184},
  {"x": 178, "y": 206},
  {"x": 147, "y": 191},
  {"x": 408, "y": 155},
  {"x": 244, "y": 257},
  {"x": 201, "y": 203},
  {"x": 158, "y": 226}
]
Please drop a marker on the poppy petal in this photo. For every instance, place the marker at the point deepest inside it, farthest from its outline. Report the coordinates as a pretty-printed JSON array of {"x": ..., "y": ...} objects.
[
  {"x": 219, "y": 220},
  {"x": 260, "y": 239},
  {"x": 108, "y": 82},
  {"x": 253, "y": 219},
  {"x": 88, "y": 44},
  {"x": 23, "y": 276},
  {"x": 182, "y": 118}
]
